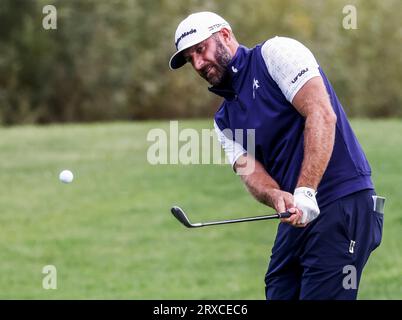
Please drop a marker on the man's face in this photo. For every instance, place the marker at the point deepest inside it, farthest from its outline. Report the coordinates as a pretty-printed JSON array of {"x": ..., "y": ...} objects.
[{"x": 209, "y": 58}]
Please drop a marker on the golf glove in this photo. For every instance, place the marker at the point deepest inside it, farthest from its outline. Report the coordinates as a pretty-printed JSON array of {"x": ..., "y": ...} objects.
[{"x": 305, "y": 200}]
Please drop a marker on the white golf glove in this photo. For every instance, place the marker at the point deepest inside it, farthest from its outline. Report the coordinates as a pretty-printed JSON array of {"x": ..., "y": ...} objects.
[{"x": 305, "y": 201}]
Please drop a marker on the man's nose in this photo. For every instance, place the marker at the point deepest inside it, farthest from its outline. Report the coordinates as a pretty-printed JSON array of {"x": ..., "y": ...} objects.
[{"x": 198, "y": 63}]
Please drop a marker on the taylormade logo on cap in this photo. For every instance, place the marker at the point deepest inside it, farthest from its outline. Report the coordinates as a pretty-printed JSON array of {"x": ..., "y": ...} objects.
[
  {"x": 195, "y": 28},
  {"x": 183, "y": 35}
]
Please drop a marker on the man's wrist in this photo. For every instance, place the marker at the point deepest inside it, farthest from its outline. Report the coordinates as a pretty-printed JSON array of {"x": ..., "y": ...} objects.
[
  {"x": 306, "y": 184},
  {"x": 306, "y": 190},
  {"x": 269, "y": 192}
]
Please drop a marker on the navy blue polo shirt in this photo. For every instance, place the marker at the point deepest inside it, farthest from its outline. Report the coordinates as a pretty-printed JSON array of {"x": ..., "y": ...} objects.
[{"x": 257, "y": 93}]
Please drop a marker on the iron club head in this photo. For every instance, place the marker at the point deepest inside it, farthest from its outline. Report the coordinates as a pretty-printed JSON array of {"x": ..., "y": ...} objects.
[{"x": 181, "y": 216}]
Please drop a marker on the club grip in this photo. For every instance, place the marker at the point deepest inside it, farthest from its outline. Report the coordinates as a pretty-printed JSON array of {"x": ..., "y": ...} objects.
[{"x": 285, "y": 214}]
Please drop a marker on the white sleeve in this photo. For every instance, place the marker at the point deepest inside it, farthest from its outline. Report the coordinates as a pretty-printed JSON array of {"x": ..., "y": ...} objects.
[
  {"x": 290, "y": 64},
  {"x": 233, "y": 150}
]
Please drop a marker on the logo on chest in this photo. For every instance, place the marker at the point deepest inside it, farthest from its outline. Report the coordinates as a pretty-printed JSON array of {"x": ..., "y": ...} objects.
[{"x": 256, "y": 85}]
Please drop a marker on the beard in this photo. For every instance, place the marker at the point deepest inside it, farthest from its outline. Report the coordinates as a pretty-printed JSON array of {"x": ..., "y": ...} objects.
[{"x": 214, "y": 73}]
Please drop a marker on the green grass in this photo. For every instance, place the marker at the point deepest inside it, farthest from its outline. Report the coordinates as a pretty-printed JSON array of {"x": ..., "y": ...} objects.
[{"x": 110, "y": 233}]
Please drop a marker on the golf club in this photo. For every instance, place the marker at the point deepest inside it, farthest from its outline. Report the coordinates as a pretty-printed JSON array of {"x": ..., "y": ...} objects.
[{"x": 182, "y": 217}]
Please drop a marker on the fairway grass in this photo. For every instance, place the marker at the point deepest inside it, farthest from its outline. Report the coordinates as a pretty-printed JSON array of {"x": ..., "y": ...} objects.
[{"x": 110, "y": 233}]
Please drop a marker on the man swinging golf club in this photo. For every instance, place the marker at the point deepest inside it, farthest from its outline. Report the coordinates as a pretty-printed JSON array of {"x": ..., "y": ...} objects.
[{"x": 306, "y": 161}]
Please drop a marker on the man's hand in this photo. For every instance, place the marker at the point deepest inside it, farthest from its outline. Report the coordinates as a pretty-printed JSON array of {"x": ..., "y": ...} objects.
[
  {"x": 266, "y": 190},
  {"x": 284, "y": 201},
  {"x": 306, "y": 202}
]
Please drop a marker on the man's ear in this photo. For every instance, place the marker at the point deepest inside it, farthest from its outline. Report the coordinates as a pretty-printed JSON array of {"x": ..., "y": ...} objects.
[{"x": 226, "y": 35}]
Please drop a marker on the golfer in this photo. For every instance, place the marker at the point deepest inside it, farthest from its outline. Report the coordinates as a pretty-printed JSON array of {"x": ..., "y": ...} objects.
[{"x": 306, "y": 158}]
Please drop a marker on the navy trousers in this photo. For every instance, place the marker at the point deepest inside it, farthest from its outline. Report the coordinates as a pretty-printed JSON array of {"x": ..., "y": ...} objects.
[{"x": 325, "y": 260}]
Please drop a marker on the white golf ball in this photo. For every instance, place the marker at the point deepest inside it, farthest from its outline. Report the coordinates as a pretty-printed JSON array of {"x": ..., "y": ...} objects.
[{"x": 66, "y": 176}]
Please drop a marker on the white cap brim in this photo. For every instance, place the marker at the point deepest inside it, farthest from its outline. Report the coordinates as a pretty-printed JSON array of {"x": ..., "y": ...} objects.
[{"x": 177, "y": 60}]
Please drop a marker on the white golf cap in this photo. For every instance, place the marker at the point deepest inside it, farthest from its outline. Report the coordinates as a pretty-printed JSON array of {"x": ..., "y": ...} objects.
[{"x": 195, "y": 28}]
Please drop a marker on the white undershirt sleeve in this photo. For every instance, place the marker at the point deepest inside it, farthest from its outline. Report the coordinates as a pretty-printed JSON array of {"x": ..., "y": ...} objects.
[
  {"x": 233, "y": 149},
  {"x": 290, "y": 64}
]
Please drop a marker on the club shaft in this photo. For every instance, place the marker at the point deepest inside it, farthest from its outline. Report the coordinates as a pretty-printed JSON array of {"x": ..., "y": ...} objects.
[
  {"x": 182, "y": 217},
  {"x": 258, "y": 218}
]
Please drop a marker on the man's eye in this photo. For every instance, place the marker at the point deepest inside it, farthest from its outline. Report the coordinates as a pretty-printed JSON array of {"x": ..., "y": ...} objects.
[{"x": 200, "y": 49}]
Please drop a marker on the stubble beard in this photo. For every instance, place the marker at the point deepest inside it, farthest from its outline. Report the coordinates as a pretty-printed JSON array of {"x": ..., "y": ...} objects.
[{"x": 214, "y": 73}]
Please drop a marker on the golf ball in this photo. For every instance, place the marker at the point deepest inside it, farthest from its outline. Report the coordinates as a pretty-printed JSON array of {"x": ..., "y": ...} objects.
[{"x": 66, "y": 176}]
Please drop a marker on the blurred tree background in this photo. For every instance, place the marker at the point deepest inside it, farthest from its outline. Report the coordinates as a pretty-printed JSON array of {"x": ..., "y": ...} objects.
[{"x": 108, "y": 60}]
